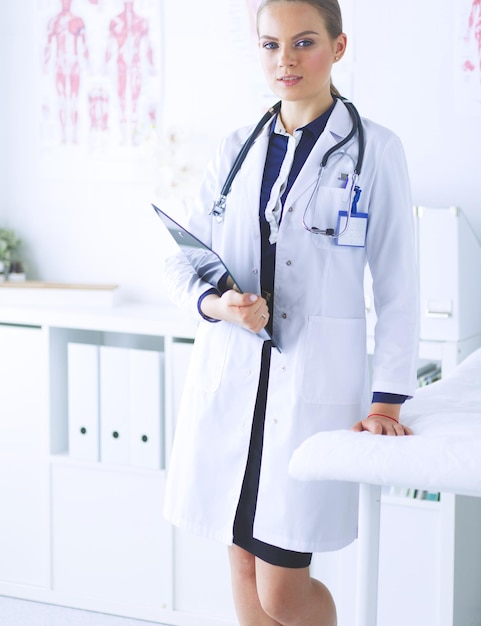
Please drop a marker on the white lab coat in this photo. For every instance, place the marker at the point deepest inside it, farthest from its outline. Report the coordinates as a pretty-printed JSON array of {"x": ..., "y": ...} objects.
[{"x": 320, "y": 380}]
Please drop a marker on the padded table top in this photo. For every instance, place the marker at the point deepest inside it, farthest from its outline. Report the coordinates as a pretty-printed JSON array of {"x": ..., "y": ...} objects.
[{"x": 444, "y": 454}]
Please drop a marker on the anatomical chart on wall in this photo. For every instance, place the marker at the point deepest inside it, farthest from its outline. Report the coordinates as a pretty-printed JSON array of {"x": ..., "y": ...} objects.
[
  {"x": 468, "y": 58},
  {"x": 101, "y": 87}
]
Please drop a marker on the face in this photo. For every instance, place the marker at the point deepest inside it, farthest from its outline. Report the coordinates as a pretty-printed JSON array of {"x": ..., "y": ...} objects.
[{"x": 297, "y": 52}]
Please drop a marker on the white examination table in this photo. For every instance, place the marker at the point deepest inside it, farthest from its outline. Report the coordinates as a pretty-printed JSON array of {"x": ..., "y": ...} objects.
[{"x": 443, "y": 455}]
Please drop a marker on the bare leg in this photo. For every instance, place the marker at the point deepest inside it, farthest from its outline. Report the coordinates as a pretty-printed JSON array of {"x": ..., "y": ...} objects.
[
  {"x": 244, "y": 588},
  {"x": 292, "y": 597}
]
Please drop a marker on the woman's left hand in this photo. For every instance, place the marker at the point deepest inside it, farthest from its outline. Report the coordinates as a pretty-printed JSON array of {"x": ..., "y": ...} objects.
[
  {"x": 383, "y": 420},
  {"x": 382, "y": 426}
]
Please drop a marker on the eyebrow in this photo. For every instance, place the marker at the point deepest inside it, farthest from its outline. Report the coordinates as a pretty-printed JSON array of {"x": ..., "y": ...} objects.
[{"x": 303, "y": 34}]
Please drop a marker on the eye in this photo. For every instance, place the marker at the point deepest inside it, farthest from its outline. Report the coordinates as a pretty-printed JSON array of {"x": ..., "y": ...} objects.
[
  {"x": 270, "y": 45},
  {"x": 304, "y": 43}
]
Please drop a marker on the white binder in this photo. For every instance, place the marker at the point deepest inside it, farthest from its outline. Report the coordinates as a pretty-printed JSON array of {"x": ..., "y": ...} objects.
[
  {"x": 146, "y": 408},
  {"x": 114, "y": 405},
  {"x": 83, "y": 401}
]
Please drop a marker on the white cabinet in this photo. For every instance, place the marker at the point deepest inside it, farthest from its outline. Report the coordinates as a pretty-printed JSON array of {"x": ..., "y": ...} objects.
[
  {"x": 110, "y": 542},
  {"x": 23, "y": 392},
  {"x": 24, "y": 478},
  {"x": 431, "y": 553},
  {"x": 449, "y": 269},
  {"x": 24, "y": 523}
]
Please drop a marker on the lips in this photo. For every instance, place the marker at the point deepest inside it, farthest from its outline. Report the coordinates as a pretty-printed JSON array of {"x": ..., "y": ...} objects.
[{"x": 289, "y": 80}]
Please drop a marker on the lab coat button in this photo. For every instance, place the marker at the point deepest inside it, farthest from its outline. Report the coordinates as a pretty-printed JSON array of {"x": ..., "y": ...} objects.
[
  {"x": 288, "y": 262},
  {"x": 290, "y": 209},
  {"x": 284, "y": 316},
  {"x": 255, "y": 270}
]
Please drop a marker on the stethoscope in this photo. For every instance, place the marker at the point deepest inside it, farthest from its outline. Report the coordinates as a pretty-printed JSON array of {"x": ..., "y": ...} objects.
[{"x": 218, "y": 208}]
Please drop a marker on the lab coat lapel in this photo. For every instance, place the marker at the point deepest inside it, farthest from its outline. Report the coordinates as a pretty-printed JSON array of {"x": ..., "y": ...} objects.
[
  {"x": 252, "y": 179},
  {"x": 337, "y": 127}
]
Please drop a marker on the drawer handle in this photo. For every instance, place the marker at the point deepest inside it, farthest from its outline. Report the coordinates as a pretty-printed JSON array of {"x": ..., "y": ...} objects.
[{"x": 439, "y": 314}]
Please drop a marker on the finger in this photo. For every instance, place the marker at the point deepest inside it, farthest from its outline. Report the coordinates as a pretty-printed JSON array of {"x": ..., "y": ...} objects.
[
  {"x": 265, "y": 318},
  {"x": 373, "y": 426},
  {"x": 398, "y": 430},
  {"x": 393, "y": 430},
  {"x": 255, "y": 320},
  {"x": 246, "y": 299},
  {"x": 357, "y": 428},
  {"x": 234, "y": 298}
]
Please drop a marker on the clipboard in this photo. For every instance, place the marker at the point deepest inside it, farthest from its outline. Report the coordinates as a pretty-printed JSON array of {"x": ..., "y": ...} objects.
[{"x": 205, "y": 261}]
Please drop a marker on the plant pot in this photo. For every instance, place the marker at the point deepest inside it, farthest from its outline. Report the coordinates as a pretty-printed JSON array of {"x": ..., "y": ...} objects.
[{"x": 17, "y": 277}]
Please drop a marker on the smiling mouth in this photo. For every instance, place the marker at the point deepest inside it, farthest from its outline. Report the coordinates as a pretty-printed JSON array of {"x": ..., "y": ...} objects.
[{"x": 289, "y": 80}]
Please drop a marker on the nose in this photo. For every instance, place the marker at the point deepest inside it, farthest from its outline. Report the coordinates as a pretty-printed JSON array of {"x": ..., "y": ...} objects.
[{"x": 286, "y": 57}]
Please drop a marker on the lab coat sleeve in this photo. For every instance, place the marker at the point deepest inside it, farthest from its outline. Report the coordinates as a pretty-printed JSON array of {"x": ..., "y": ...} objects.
[
  {"x": 184, "y": 284},
  {"x": 391, "y": 254}
]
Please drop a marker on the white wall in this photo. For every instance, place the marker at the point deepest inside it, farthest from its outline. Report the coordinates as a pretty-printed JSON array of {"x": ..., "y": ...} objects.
[
  {"x": 91, "y": 221},
  {"x": 406, "y": 79}
]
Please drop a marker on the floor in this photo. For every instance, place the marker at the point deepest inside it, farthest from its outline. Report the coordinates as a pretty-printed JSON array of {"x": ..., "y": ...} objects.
[{"x": 25, "y": 613}]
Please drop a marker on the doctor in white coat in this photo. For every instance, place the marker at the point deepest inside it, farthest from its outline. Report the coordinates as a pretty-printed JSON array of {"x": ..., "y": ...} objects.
[{"x": 247, "y": 405}]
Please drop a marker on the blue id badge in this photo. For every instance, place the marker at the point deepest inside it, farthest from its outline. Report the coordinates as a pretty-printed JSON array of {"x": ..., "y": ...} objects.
[{"x": 355, "y": 235}]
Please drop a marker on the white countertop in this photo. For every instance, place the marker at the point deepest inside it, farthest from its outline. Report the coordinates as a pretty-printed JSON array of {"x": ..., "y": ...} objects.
[{"x": 147, "y": 319}]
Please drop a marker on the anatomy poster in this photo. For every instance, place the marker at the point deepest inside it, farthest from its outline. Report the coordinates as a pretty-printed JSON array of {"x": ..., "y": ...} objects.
[
  {"x": 101, "y": 87},
  {"x": 468, "y": 58}
]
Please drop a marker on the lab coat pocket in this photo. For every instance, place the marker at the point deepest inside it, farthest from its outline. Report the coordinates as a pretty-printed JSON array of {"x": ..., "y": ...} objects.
[
  {"x": 334, "y": 360},
  {"x": 323, "y": 210},
  {"x": 213, "y": 340}
]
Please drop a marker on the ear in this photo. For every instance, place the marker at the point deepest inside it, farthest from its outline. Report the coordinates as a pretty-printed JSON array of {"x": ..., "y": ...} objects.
[{"x": 340, "y": 46}]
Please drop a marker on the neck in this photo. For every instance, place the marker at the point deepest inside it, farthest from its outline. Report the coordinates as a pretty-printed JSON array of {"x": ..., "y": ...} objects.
[{"x": 297, "y": 114}]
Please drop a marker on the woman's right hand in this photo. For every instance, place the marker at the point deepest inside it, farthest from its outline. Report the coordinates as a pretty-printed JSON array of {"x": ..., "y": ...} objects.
[{"x": 244, "y": 309}]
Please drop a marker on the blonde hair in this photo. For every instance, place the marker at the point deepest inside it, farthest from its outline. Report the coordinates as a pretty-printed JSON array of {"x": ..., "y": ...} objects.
[{"x": 330, "y": 12}]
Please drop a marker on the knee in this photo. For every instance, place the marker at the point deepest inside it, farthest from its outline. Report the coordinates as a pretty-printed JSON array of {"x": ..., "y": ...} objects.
[
  {"x": 278, "y": 604},
  {"x": 290, "y": 604}
]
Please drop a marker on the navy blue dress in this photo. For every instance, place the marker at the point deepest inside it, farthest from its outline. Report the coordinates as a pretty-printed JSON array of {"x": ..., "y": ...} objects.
[{"x": 244, "y": 519}]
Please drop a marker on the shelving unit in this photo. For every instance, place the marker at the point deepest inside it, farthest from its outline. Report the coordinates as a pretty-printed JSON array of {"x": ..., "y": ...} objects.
[{"x": 90, "y": 533}]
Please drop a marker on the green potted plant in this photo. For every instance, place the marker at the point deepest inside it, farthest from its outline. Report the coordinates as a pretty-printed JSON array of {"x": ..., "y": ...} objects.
[{"x": 9, "y": 245}]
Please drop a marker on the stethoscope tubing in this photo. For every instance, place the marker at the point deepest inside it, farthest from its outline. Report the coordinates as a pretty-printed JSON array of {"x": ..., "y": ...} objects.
[{"x": 219, "y": 205}]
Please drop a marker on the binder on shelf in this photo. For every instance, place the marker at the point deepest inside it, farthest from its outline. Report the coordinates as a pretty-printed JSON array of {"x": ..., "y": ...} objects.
[
  {"x": 114, "y": 405},
  {"x": 428, "y": 374},
  {"x": 83, "y": 401},
  {"x": 146, "y": 408}
]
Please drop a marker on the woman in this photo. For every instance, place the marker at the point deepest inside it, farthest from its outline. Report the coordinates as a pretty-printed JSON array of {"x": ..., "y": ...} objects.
[{"x": 248, "y": 406}]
